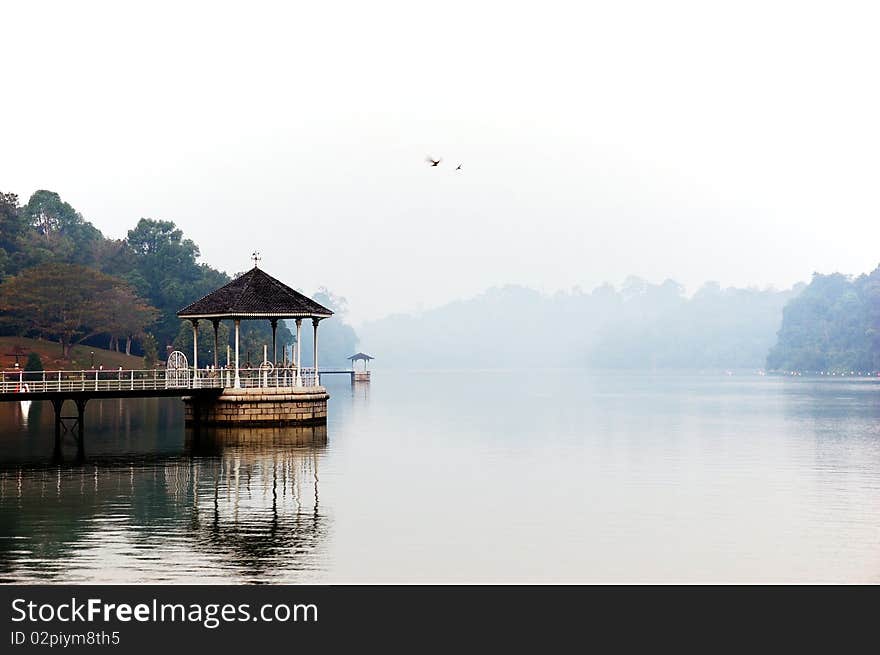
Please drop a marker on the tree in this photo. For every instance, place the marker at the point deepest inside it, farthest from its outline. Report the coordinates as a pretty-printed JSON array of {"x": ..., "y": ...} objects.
[
  {"x": 52, "y": 217},
  {"x": 157, "y": 262},
  {"x": 59, "y": 232},
  {"x": 165, "y": 272},
  {"x": 830, "y": 326},
  {"x": 62, "y": 300},
  {"x": 870, "y": 285},
  {"x": 13, "y": 229},
  {"x": 124, "y": 315},
  {"x": 114, "y": 257},
  {"x": 33, "y": 363},
  {"x": 151, "y": 356}
]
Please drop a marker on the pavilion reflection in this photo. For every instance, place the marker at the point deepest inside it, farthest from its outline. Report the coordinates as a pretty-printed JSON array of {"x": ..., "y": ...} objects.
[
  {"x": 244, "y": 503},
  {"x": 260, "y": 507}
]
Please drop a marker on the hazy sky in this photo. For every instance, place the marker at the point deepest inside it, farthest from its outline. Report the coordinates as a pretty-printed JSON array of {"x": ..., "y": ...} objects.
[{"x": 737, "y": 142}]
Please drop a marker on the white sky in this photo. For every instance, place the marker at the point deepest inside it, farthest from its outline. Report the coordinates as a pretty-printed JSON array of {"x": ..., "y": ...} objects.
[{"x": 737, "y": 142}]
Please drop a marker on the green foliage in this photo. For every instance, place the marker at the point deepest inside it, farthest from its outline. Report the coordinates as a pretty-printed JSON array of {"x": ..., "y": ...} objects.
[
  {"x": 33, "y": 363},
  {"x": 833, "y": 326},
  {"x": 151, "y": 354},
  {"x": 123, "y": 315},
  {"x": 13, "y": 231},
  {"x": 122, "y": 287},
  {"x": 184, "y": 341},
  {"x": 56, "y": 299},
  {"x": 70, "y": 302},
  {"x": 60, "y": 232},
  {"x": 256, "y": 334},
  {"x": 164, "y": 270},
  {"x": 252, "y": 337}
]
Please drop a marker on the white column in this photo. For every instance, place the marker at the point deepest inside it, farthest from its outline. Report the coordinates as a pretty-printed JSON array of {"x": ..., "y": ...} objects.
[
  {"x": 195, "y": 351},
  {"x": 216, "y": 324},
  {"x": 299, "y": 324},
  {"x": 237, "y": 378},
  {"x": 315, "y": 325}
]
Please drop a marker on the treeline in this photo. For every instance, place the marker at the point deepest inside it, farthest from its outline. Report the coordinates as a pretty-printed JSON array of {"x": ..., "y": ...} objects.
[
  {"x": 636, "y": 325},
  {"x": 657, "y": 326},
  {"x": 832, "y": 326},
  {"x": 60, "y": 278}
]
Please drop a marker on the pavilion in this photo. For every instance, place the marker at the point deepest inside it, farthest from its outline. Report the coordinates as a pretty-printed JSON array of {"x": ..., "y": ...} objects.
[
  {"x": 360, "y": 357},
  {"x": 255, "y": 295},
  {"x": 364, "y": 375}
]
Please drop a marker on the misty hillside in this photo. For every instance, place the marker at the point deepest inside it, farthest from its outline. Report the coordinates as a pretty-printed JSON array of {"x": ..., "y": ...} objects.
[
  {"x": 636, "y": 325},
  {"x": 832, "y": 326}
]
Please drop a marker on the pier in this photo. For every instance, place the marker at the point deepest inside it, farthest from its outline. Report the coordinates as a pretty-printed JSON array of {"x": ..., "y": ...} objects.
[
  {"x": 273, "y": 394},
  {"x": 199, "y": 388}
]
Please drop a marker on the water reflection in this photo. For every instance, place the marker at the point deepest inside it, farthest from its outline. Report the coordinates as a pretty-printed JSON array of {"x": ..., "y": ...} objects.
[
  {"x": 443, "y": 477},
  {"x": 262, "y": 512},
  {"x": 234, "y": 505}
]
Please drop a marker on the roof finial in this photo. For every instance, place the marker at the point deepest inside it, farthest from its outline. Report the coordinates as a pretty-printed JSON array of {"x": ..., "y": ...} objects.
[{"x": 255, "y": 255}]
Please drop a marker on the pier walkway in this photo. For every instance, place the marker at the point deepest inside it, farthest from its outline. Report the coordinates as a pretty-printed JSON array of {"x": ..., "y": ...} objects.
[
  {"x": 199, "y": 385},
  {"x": 44, "y": 385}
]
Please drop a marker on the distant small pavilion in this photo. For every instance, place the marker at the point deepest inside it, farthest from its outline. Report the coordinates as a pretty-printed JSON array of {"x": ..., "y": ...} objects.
[
  {"x": 360, "y": 357},
  {"x": 255, "y": 295}
]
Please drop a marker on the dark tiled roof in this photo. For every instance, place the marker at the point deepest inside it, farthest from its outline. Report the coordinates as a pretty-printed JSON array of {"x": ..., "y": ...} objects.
[
  {"x": 254, "y": 293},
  {"x": 361, "y": 356}
]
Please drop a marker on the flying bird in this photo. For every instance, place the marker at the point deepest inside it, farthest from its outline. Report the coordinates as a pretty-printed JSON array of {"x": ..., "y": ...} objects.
[
  {"x": 458, "y": 168},
  {"x": 433, "y": 162}
]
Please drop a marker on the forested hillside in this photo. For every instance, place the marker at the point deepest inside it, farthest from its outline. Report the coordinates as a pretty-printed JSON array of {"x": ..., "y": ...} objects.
[
  {"x": 832, "y": 326},
  {"x": 638, "y": 325},
  {"x": 61, "y": 279},
  {"x": 656, "y": 326}
]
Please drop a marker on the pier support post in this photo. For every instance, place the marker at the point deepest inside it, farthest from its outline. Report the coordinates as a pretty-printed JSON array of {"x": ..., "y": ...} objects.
[
  {"x": 80, "y": 428},
  {"x": 57, "y": 404},
  {"x": 196, "y": 414}
]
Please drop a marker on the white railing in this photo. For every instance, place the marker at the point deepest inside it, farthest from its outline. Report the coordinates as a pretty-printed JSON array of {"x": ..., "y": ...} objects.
[
  {"x": 262, "y": 379},
  {"x": 150, "y": 379}
]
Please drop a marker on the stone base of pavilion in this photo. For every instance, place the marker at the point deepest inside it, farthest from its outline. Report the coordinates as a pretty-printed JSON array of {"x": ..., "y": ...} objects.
[
  {"x": 361, "y": 376},
  {"x": 257, "y": 407}
]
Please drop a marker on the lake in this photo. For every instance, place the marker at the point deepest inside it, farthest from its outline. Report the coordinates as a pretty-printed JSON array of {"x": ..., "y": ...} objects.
[{"x": 462, "y": 476}]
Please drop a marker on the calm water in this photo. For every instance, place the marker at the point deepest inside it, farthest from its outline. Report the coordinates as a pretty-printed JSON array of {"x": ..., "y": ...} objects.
[{"x": 558, "y": 476}]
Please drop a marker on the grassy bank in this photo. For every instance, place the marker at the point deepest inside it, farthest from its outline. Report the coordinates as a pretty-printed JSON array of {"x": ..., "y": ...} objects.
[{"x": 50, "y": 354}]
